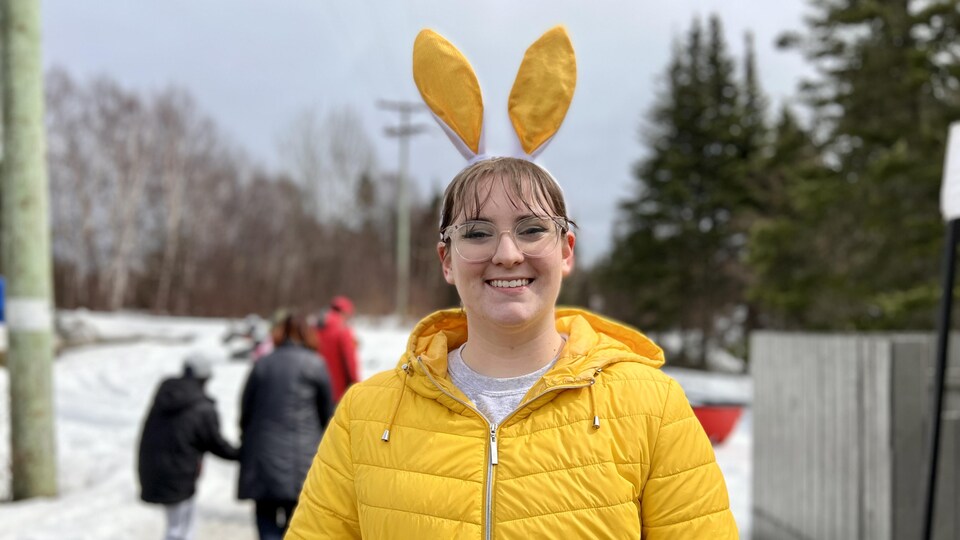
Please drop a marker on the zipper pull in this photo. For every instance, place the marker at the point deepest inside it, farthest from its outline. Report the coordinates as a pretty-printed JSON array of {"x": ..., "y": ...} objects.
[{"x": 493, "y": 445}]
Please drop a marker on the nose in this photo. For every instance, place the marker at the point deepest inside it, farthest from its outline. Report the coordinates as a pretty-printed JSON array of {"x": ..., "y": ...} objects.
[{"x": 508, "y": 252}]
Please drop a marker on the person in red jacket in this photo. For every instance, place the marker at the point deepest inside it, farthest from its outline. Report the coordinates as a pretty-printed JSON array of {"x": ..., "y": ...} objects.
[{"x": 336, "y": 344}]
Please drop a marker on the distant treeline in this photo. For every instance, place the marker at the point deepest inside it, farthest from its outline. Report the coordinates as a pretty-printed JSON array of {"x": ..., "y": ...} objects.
[
  {"x": 153, "y": 208},
  {"x": 743, "y": 219}
]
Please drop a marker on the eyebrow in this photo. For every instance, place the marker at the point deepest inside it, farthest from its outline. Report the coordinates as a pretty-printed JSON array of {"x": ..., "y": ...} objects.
[{"x": 519, "y": 218}]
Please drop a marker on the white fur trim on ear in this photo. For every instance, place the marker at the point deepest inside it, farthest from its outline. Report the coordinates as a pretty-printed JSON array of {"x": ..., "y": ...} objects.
[{"x": 458, "y": 143}]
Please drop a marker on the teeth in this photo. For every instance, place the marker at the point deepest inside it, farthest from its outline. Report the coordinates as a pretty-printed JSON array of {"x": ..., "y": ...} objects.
[{"x": 503, "y": 283}]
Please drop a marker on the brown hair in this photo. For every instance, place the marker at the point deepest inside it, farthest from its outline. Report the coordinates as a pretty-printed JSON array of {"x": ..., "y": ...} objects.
[
  {"x": 527, "y": 183},
  {"x": 295, "y": 328}
]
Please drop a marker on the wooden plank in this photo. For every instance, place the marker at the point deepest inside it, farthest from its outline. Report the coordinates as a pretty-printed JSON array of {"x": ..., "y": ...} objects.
[
  {"x": 945, "y": 511},
  {"x": 820, "y": 495},
  {"x": 846, "y": 470},
  {"x": 912, "y": 372},
  {"x": 782, "y": 449},
  {"x": 760, "y": 359},
  {"x": 876, "y": 474},
  {"x": 804, "y": 358},
  {"x": 883, "y": 469},
  {"x": 785, "y": 449}
]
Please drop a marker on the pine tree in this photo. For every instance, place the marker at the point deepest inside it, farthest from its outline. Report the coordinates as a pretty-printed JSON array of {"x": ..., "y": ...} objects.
[
  {"x": 751, "y": 134},
  {"x": 677, "y": 257},
  {"x": 887, "y": 92},
  {"x": 784, "y": 255}
]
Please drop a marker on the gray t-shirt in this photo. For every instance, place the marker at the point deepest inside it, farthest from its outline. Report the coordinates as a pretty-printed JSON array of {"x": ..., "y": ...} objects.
[{"x": 494, "y": 397}]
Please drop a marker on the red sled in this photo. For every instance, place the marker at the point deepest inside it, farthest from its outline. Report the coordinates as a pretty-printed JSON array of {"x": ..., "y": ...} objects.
[{"x": 718, "y": 420}]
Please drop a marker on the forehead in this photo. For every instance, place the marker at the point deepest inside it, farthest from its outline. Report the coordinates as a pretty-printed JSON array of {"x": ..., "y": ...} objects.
[{"x": 502, "y": 192}]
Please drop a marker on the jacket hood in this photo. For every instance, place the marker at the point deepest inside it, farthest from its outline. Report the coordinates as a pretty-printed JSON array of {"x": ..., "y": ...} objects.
[
  {"x": 342, "y": 304},
  {"x": 178, "y": 394},
  {"x": 593, "y": 343}
]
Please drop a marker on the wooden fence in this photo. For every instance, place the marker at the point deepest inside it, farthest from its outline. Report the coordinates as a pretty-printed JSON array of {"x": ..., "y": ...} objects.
[{"x": 840, "y": 427}]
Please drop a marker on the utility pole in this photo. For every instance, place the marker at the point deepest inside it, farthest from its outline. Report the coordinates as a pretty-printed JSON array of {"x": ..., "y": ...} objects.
[
  {"x": 403, "y": 132},
  {"x": 24, "y": 225}
]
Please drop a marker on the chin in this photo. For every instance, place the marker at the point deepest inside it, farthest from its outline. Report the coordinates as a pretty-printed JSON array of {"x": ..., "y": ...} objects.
[{"x": 512, "y": 316}]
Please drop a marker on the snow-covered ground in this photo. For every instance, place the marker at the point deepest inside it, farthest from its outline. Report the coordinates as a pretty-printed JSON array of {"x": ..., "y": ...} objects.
[{"x": 101, "y": 395}]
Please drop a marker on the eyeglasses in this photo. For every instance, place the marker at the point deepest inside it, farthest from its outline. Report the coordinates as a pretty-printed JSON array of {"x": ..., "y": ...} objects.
[{"x": 477, "y": 241}]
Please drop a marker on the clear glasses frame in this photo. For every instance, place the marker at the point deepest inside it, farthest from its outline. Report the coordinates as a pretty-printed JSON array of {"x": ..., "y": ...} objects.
[{"x": 478, "y": 241}]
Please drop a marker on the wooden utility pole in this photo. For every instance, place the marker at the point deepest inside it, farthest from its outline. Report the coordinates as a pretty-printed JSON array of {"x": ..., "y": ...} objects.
[
  {"x": 24, "y": 225},
  {"x": 403, "y": 132}
]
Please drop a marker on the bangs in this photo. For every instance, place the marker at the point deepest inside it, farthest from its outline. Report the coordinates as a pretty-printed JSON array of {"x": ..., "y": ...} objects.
[
  {"x": 522, "y": 193},
  {"x": 528, "y": 187}
]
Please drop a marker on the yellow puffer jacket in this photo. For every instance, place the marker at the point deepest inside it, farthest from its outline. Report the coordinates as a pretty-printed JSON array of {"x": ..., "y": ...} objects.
[{"x": 603, "y": 446}]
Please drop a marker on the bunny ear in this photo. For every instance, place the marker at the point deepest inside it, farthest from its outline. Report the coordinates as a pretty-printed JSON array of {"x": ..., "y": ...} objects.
[
  {"x": 449, "y": 87},
  {"x": 543, "y": 90}
]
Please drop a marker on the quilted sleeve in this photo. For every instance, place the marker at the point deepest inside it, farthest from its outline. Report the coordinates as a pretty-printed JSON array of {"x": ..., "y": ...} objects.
[
  {"x": 328, "y": 501},
  {"x": 685, "y": 495}
]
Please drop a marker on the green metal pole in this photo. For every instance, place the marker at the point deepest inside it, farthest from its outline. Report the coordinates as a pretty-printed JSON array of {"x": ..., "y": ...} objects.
[{"x": 26, "y": 254}]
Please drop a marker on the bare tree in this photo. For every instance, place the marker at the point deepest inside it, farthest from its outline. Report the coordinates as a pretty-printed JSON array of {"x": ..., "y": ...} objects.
[
  {"x": 75, "y": 190},
  {"x": 327, "y": 158},
  {"x": 351, "y": 156},
  {"x": 155, "y": 209},
  {"x": 301, "y": 147},
  {"x": 187, "y": 145},
  {"x": 121, "y": 124}
]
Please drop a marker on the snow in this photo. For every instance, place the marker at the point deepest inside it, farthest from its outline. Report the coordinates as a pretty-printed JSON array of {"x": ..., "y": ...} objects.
[{"x": 101, "y": 394}]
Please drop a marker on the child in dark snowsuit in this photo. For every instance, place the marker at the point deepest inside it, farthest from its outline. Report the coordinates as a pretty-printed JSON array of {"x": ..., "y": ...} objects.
[{"x": 182, "y": 424}]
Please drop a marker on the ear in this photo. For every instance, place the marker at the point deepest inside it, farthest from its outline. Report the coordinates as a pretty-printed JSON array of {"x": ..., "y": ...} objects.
[
  {"x": 543, "y": 90},
  {"x": 449, "y": 86},
  {"x": 444, "y": 252},
  {"x": 566, "y": 252}
]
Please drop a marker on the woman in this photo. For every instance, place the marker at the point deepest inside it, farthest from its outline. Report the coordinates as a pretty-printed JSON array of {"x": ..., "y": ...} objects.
[
  {"x": 577, "y": 435},
  {"x": 285, "y": 408},
  {"x": 511, "y": 418}
]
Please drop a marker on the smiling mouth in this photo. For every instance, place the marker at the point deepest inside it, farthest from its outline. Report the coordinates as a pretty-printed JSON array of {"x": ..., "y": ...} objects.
[{"x": 509, "y": 283}]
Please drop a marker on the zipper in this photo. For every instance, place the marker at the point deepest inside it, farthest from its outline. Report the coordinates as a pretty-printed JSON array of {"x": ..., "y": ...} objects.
[
  {"x": 491, "y": 460},
  {"x": 488, "y": 496},
  {"x": 488, "y": 535},
  {"x": 494, "y": 454}
]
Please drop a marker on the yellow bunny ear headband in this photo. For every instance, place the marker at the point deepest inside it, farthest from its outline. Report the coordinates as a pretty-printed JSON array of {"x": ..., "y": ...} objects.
[{"x": 538, "y": 101}]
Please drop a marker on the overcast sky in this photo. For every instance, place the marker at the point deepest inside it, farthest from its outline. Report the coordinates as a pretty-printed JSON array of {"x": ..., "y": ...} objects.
[{"x": 255, "y": 65}]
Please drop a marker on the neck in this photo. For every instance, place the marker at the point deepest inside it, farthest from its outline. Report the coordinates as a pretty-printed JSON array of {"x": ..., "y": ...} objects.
[{"x": 502, "y": 353}]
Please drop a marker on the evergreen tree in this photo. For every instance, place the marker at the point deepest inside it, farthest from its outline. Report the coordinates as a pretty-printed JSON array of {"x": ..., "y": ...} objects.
[
  {"x": 677, "y": 257},
  {"x": 785, "y": 256},
  {"x": 753, "y": 142},
  {"x": 887, "y": 91},
  {"x": 752, "y": 125}
]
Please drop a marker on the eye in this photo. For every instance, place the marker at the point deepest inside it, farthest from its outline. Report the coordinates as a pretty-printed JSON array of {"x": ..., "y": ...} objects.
[
  {"x": 531, "y": 231},
  {"x": 476, "y": 231},
  {"x": 533, "y": 228}
]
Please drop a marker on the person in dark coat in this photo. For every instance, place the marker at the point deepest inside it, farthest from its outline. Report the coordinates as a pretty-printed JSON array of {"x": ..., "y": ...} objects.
[
  {"x": 181, "y": 426},
  {"x": 285, "y": 408}
]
